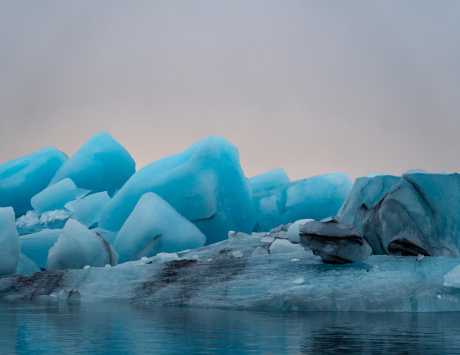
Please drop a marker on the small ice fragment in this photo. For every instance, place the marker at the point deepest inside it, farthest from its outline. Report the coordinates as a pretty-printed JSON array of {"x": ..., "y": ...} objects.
[
  {"x": 86, "y": 267},
  {"x": 299, "y": 281},
  {"x": 237, "y": 254}
]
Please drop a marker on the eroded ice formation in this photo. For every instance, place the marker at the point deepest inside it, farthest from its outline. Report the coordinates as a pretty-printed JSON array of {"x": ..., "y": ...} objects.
[
  {"x": 409, "y": 215},
  {"x": 205, "y": 184}
]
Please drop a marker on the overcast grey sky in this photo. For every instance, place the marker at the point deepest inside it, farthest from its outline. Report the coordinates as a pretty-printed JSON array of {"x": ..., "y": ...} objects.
[{"x": 311, "y": 86}]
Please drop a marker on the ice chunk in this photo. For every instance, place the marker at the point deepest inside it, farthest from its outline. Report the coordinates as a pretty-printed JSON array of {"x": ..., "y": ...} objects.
[
  {"x": 9, "y": 242},
  {"x": 26, "y": 266},
  {"x": 205, "y": 184},
  {"x": 33, "y": 221},
  {"x": 155, "y": 226},
  {"x": 284, "y": 246},
  {"x": 55, "y": 197},
  {"x": 77, "y": 247},
  {"x": 101, "y": 164},
  {"x": 266, "y": 183},
  {"x": 22, "y": 178},
  {"x": 87, "y": 210},
  {"x": 293, "y": 230},
  {"x": 37, "y": 245},
  {"x": 334, "y": 242},
  {"x": 314, "y": 198},
  {"x": 409, "y": 215}
]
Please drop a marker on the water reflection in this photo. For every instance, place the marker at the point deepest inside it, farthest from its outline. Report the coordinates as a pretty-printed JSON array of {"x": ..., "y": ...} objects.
[{"x": 115, "y": 329}]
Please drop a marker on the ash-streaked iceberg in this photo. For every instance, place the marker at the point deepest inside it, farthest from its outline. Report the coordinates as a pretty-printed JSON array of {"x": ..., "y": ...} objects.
[
  {"x": 55, "y": 196},
  {"x": 154, "y": 226},
  {"x": 409, "y": 215},
  {"x": 78, "y": 247},
  {"x": 22, "y": 178},
  {"x": 205, "y": 184},
  {"x": 317, "y": 197},
  {"x": 254, "y": 272},
  {"x": 9, "y": 242},
  {"x": 101, "y": 164}
]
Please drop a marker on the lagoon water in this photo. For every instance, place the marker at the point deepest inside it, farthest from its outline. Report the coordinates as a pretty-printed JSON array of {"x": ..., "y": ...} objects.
[{"x": 117, "y": 329}]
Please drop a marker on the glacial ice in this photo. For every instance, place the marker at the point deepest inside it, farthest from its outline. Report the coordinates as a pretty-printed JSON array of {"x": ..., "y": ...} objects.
[
  {"x": 265, "y": 184},
  {"x": 240, "y": 273},
  {"x": 101, "y": 164},
  {"x": 313, "y": 198},
  {"x": 294, "y": 230},
  {"x": 88, "y": 210},
  {"x": 154, "y": 226},
  {"x": 36, "y": 246},
  {"x": 205, "y": 184},
  {"x": 78, "y": 247},
  {"x": 9, "y": 242},
  {"x": 22, "y": 178},
  {"x": 160, "y": 218},
  {"x": 55, "y": 196},
  {"x": 409, "y": 215},
  {"x": 334, "y": 242}
]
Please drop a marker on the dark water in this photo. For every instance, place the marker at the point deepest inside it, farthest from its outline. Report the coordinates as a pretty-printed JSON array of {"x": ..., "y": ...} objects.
[{"x": 115, "y": 329}]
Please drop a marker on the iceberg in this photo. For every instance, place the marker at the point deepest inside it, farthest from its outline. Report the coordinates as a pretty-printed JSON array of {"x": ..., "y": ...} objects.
[
  {"x": 334, "y": 242},
  {"x": 78, "y": 247},
  {"x": 409, "y": 215},
  {"x": 54, "y": 197},
  {"x": 22, "y": 178},
  {"x": 154, "y": 226},
  {"x": 9, "y": 241},
  {"x": 241, "y": 273},
  {"x": 265, "y": 184},
  {"x": 317, "y": 197},
  {"x": 88, "y": 210},
  {"x": 101, "y": 164},
  {"x": 205, "y": 184},
  {"x": 36, "y": 246}
]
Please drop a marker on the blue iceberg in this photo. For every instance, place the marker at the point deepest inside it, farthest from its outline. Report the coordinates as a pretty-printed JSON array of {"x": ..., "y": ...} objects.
[
  {"x": 22, "y": 178},
  {"x": 205, "y": 184},
  {"x": 317, "y": 197},
  {"x": 88, "y": 210},
  {"x": 101, "y": 164},
  {"x": 78, "y": 247},
  {"x": 36, "y": 246},
  {"x": 54, "y": 197},
  {"x": 154, "y": 226},
  {"x": 267, "y": 183}
]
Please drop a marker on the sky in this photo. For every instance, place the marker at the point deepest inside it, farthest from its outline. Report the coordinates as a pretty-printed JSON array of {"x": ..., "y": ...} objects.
[{"x": 311, "y": 86}]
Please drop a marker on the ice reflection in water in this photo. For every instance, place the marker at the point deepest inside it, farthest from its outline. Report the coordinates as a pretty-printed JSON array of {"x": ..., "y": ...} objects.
[{"x": 115, "y": 329}]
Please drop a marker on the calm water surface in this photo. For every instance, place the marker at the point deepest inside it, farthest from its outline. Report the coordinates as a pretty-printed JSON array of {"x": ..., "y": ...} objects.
[{"x": 115, "y": 329}]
